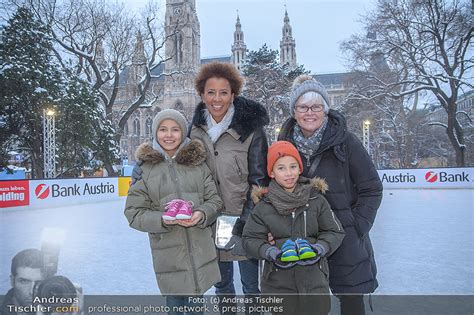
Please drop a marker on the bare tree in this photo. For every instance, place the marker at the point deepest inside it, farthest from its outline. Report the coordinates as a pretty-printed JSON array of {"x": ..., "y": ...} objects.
[
  {"x": 100, "y": 39},
  {"x": 426, "y": 44}
]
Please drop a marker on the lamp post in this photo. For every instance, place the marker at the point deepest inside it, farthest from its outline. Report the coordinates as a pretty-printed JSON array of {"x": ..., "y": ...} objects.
[
  {"x": 366, "y": 135},
  {"x": 277, "y": 131},
  {"x": 49, "y": 143}
]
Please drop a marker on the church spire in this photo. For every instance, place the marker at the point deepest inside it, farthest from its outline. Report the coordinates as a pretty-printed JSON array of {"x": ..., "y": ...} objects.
[
  {"x": 139, "y": 53},
  {"x": 239, "y": 49},
  {"x": 287, "y": 44}
]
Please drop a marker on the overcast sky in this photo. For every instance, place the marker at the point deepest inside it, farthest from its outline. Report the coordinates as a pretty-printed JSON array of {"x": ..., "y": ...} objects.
[{"x": 318, "y": 27}]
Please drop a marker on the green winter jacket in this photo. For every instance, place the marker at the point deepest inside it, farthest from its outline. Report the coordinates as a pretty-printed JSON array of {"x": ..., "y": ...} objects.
[
  {"x": 314, "y": 222},
  {"x": 184, "y": 259}
]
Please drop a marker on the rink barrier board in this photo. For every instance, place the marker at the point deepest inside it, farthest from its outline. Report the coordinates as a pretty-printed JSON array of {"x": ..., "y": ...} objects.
[{"x": 60, "y": 192}]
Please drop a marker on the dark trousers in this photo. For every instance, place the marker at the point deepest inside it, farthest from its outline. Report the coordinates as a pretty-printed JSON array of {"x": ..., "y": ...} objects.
[
  {"x": 175, "y": 302},
  {"x": 248, "y": 277},
  {"x": 352, "y": 304}
]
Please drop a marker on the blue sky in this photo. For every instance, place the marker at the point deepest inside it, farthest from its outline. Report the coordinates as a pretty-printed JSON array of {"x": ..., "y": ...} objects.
[{"x": 318, "y": 27}]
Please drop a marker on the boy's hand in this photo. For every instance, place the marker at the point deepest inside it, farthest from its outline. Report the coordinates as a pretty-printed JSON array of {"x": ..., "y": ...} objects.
[{"x": 270, "y": 239}]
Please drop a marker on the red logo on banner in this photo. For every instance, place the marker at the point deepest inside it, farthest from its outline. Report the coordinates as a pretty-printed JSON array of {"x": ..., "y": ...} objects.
[
  {"x": 14, "y": 193},
  {"x": 431, "y": 177},
  {"x": 42, "y": 191}
]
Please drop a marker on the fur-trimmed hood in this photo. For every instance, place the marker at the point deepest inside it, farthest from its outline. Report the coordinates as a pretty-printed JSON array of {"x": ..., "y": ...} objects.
[
  {"x": 192, "y": 154},
  {"x": 258, "y": 193},
  {"x": 248, "y": 116}
]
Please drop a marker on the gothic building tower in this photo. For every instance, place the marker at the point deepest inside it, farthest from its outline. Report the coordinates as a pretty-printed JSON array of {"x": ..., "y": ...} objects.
[
  {"x": 137, "y": 69},
  {"x": 183, "y": 50},
  {"x": 239, "y": 49},
  {"x": 287, "y": 44}
]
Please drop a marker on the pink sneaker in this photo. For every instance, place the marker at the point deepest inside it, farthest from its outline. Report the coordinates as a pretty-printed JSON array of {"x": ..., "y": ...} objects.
[
  {"x": 185, "y": 212},
  {"x": 172, "y": 209}
]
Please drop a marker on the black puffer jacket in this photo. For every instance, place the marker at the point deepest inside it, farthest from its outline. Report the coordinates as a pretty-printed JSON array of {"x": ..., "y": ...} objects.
[{"x": 355, "y": 194}]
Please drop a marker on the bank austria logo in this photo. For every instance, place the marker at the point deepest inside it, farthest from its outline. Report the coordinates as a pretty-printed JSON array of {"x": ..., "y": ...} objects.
[
  {"x": 42, "y": 191},
  {"x": 431, "y": 177},
  {"x": 398, "y": 178},
  {"x": 443, "y": 177}
]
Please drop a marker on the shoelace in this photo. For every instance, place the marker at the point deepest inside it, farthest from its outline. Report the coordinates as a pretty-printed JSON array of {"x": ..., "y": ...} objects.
[
  {"x": 187, "y": 206},
  {"x": 174, "y": 205}
]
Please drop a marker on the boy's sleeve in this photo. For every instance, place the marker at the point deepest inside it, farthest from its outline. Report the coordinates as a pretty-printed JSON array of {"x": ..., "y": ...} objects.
[
  {"x": 139, "y": 211},
  {"x": 255, "y": 234},
  {"x": 212, "y": 202},
  {"x": 331, "y": 232}
]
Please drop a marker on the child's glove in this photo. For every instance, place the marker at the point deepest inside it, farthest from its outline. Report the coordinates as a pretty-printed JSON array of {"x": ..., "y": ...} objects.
[
  {"x": 271, "y": 253},
  {"x": 319, "y": 249}
]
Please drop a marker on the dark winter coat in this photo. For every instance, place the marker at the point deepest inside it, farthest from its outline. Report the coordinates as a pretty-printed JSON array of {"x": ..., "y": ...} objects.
[
  {"x": 9, "y": 299},
  {"x": 355, "y": 194},
  {"x": 314, "y": 222},
  {"x": 237, "y": 160},
  {"x": 184, "y": 259}
]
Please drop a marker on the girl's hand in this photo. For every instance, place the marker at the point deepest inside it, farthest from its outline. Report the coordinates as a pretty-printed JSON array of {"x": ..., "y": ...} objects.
[{"x": 195, "y": 219}]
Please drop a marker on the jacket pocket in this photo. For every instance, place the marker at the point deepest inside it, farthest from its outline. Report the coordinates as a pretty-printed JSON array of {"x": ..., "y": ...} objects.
[
  {"x": 324, "y": 267},
  {"x": 238, "y": 168},
  {"x": 268, "y": 269}
]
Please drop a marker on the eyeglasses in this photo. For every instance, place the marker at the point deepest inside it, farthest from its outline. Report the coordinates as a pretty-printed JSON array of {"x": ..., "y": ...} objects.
[{"x": 314, "y": 108}]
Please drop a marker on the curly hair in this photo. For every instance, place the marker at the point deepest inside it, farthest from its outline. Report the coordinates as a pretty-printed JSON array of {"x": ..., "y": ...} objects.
[{"x": 219, "y": 70}]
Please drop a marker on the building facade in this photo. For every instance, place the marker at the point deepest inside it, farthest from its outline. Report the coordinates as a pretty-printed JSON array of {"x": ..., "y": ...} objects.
[{"x": 182, "y": 31}]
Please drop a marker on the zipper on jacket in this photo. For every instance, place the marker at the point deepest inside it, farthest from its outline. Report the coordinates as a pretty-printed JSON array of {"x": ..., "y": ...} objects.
[
  {"x": 292, "y": 223},
  {"x": 174, "y": 178},
  {"x": 308, "y": 160},
  {"x": 304, "y": 214}
]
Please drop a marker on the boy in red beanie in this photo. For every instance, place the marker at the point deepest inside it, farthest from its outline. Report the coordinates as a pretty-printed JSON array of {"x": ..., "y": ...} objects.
[{"x": 305, "y": 232}]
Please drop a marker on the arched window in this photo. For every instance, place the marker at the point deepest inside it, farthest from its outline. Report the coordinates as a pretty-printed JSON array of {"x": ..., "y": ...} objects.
[
  {"x": 136, "y": 127},
  {"x": 178, "y": 48},
  {"x": 125, "y": 130},
  {"x": 148, "y": 125}
]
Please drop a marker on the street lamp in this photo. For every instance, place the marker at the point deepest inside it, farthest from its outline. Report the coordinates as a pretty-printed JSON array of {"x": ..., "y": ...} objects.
[
  {"x": 277, "y": 131},
  {"x": 49, "y": 143},
  {"x": 366, "y": 135}
]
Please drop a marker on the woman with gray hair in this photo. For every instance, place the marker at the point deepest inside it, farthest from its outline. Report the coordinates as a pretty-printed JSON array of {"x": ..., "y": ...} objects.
[{"x": 330, "y": 151}]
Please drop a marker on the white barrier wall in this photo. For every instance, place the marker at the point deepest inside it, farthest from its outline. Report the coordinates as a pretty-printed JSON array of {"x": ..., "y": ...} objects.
[
  {"x": 428, "y": 178},
  {"x": 60, "y": 192}
]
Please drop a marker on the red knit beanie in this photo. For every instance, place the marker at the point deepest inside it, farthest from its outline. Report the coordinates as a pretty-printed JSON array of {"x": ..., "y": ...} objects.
[{"x": 280, "y": 149}]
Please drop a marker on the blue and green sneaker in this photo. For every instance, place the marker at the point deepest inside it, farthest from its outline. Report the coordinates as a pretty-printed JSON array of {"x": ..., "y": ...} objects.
[
  {"x": 305, "y": 251},
  {"x": 289, "y": 251}
]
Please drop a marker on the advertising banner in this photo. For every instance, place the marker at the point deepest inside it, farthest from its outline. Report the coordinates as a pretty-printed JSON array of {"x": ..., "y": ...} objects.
[
  {"x": 124, "y": 184},
  {"x": 72, "y": 191},
  {"x": 14, "y": 193},
  {"x": 428, "y": 178}
]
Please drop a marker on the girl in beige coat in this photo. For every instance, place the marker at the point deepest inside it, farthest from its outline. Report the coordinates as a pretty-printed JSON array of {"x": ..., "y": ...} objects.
[{"x": 184, "y": 255}]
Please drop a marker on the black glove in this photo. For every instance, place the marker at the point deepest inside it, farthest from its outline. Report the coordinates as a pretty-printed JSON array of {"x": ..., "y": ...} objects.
[
  {"x": 235, "y": 245},
  {"x": 271, "y": 253},
  {"x": 238, "y": 227},
  {"x": 136, "y": 173}
]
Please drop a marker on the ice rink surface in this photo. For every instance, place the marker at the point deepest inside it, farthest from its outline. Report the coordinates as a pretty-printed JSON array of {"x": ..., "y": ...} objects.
[{"x": 423, "y": 242}]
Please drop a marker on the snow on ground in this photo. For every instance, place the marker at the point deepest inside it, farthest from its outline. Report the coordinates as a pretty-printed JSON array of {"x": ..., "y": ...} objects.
[{"x": 423, "y": 243}]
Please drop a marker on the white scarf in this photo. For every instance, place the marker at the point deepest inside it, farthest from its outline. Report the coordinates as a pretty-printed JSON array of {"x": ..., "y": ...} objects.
[{"x": 216, "y": 129}]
